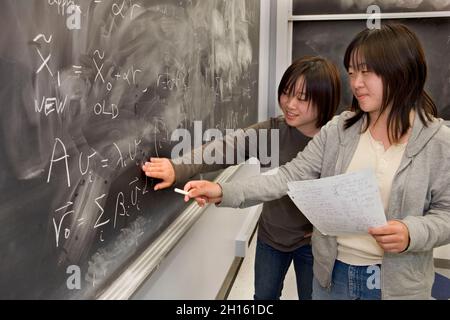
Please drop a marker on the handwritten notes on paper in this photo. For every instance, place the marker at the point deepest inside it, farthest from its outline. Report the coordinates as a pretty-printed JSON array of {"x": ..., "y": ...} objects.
[{"x": 347, "y": 203}]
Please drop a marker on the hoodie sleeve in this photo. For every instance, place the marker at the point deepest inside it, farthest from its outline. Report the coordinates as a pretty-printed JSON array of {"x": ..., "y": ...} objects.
[
  {"x": 306, "y": 166},
  {"x": 433, "y": 228}
]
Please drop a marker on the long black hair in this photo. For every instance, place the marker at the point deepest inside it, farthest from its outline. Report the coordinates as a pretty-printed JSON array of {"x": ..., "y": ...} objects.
[{"x": 394, "y": 53}]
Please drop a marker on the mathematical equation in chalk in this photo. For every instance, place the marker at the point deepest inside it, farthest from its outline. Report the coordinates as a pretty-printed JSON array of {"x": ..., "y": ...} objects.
[{"x": 69, "y": 217}]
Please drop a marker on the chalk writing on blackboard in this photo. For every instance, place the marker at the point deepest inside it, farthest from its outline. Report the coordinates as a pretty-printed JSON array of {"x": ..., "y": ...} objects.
[{"x": 82, "y": 108}]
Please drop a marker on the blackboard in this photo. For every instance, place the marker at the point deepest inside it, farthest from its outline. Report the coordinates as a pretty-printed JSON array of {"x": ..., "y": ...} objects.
[
  {"x": 83, "y": 108},
  {"x": 304, "y": 7},
  {"x": 331, "y": 38}
]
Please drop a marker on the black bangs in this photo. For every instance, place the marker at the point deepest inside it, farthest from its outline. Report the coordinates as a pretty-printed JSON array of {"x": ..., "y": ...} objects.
[
  {"x": 358, "y": 56},
  {"x": 369, "y": 51},
  {"x": 290, "y": 85},
  {"x": 358, "y": 60},
  {"x": 316, "y": 82}
]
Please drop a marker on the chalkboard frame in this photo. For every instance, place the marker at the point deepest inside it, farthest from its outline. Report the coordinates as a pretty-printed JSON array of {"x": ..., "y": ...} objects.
[{"x": 313, "y": 7}]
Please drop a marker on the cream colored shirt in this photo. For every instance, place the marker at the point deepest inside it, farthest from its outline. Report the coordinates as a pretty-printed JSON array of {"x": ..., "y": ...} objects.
[{"x": 362, "y": 250}]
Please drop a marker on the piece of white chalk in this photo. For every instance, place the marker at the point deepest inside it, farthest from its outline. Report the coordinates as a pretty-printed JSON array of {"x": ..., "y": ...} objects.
[{"x": 181, "y": 191}]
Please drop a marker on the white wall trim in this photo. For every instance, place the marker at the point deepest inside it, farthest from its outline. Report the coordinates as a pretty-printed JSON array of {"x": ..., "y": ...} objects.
[
  {"x": 264, "y": 51},
  {"x": 244, "y": 236},
  {"x": 365, "y": 16},
  {"x": 283, "y": 56}
]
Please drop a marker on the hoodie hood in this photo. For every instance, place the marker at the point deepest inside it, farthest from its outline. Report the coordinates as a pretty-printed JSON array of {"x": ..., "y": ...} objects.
[{"x": 420, "y": 134}]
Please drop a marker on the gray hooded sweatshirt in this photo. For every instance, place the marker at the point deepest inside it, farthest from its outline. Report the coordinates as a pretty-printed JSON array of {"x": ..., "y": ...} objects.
[{"x": 420, "y": 198}]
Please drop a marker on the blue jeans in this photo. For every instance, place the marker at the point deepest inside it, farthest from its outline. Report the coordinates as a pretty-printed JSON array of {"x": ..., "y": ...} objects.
[
  {"x": 350, "y": 283},
  {"x": 271, "y": 266}
]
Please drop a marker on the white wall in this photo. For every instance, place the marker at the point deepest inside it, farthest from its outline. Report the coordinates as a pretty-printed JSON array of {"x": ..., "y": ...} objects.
[{"x": 442, "y": 252}]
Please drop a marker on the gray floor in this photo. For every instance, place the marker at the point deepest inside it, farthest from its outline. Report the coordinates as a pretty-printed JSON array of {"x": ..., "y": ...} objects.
[
  {"x": 243, "y": 285},
  {"x": 444, "y": 272}
]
